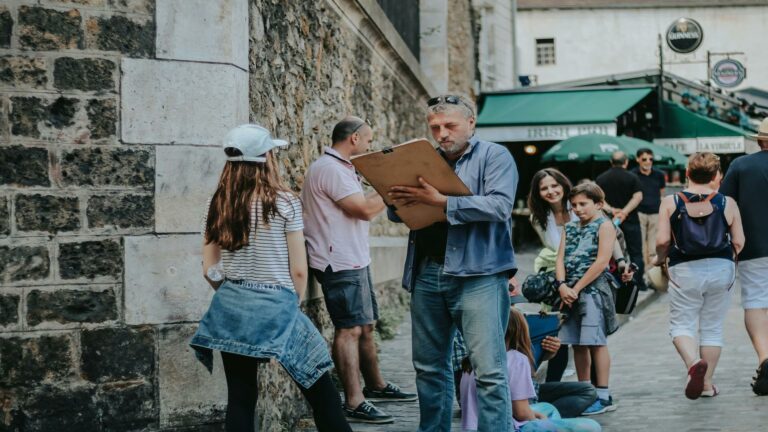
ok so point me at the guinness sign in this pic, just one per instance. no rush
(728, 73)
(684, 35)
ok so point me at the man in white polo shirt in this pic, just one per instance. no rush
(336, 215)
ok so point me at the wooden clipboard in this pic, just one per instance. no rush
(402, 165)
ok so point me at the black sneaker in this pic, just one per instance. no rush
(390, 393)
(760, 382)
(367, 413)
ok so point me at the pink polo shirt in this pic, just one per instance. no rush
(333, 237)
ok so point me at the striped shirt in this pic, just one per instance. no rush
(265, 258)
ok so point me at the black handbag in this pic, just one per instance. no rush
(540, 288)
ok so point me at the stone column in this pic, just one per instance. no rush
(434, 42)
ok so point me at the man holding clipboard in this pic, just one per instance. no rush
(457, 270)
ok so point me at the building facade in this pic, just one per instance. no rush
(111, 118)
(563, 40)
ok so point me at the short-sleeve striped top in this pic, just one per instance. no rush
(265, 258)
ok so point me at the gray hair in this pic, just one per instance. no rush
(618, 158)
(466, 106)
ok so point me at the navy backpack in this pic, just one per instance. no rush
(700, 230)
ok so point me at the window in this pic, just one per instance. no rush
(545, 52)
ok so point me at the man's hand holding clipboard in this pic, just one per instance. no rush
(413, 178)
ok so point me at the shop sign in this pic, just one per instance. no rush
(686, 146)
(543, 132)
(728, 73)
(684, 35)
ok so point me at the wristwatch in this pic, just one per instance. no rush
(558, 282)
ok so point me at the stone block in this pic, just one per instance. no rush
(163, 279)
(28, 113)
(120, 211)
(24, 263)
(43, 29)
(61, 409)
(24, 166)
(186, 178)
(118, 354)
(119, 33)
(71, 306)
(188, 393)
(90, 259)
(201, 30)
(157, 96)
(87, 74)
(127, 406)
(20, 71)
(6, 27)
(5, 218)
(29, 361)
(102, 117)
(9, 309)
(47, 213)
(107, 167)
(146, 7)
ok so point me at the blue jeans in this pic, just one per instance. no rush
(479, 307)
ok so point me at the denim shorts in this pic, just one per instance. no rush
(349, 296)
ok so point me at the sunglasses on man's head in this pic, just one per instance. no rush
(454, 100)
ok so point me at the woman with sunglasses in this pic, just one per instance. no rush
(254, 257)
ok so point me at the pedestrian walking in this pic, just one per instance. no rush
(550, 211)
(747, 182)
(584, 253)
(254, 257)
(652, 184)
(699, 230)
(336, 213)
(541, 416)
(458, 270)
(623, 193)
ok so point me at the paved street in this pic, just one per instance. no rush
(647, 380)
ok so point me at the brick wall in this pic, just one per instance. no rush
(111, 115)
(69, 191)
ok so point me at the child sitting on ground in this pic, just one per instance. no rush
(539, 417)
(587, 299)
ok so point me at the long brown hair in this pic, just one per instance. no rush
(540, 208)
(516, 338)
(229, 216)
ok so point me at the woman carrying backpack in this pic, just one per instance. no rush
(700, 232)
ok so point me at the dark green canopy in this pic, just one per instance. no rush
(596, 147)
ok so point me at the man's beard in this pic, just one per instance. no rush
(454, 148)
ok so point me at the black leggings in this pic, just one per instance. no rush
(242, 393)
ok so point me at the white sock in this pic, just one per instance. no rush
(603, 393)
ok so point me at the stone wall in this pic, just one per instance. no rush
(111, 115)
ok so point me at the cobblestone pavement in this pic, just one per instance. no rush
(647, 380)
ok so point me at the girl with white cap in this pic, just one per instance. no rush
(254, 257)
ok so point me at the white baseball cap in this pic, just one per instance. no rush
(253, 141)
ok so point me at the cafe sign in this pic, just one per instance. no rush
(728, 73)
(684, 35)
(543, 132)
(686, 146)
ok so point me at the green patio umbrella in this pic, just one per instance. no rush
(598, 148)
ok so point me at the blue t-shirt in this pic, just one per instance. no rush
(747, 182)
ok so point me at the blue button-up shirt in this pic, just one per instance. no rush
(480, 225)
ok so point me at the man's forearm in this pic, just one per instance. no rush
(632, 204)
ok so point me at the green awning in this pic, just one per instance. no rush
(679, 122)
(581, 106)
